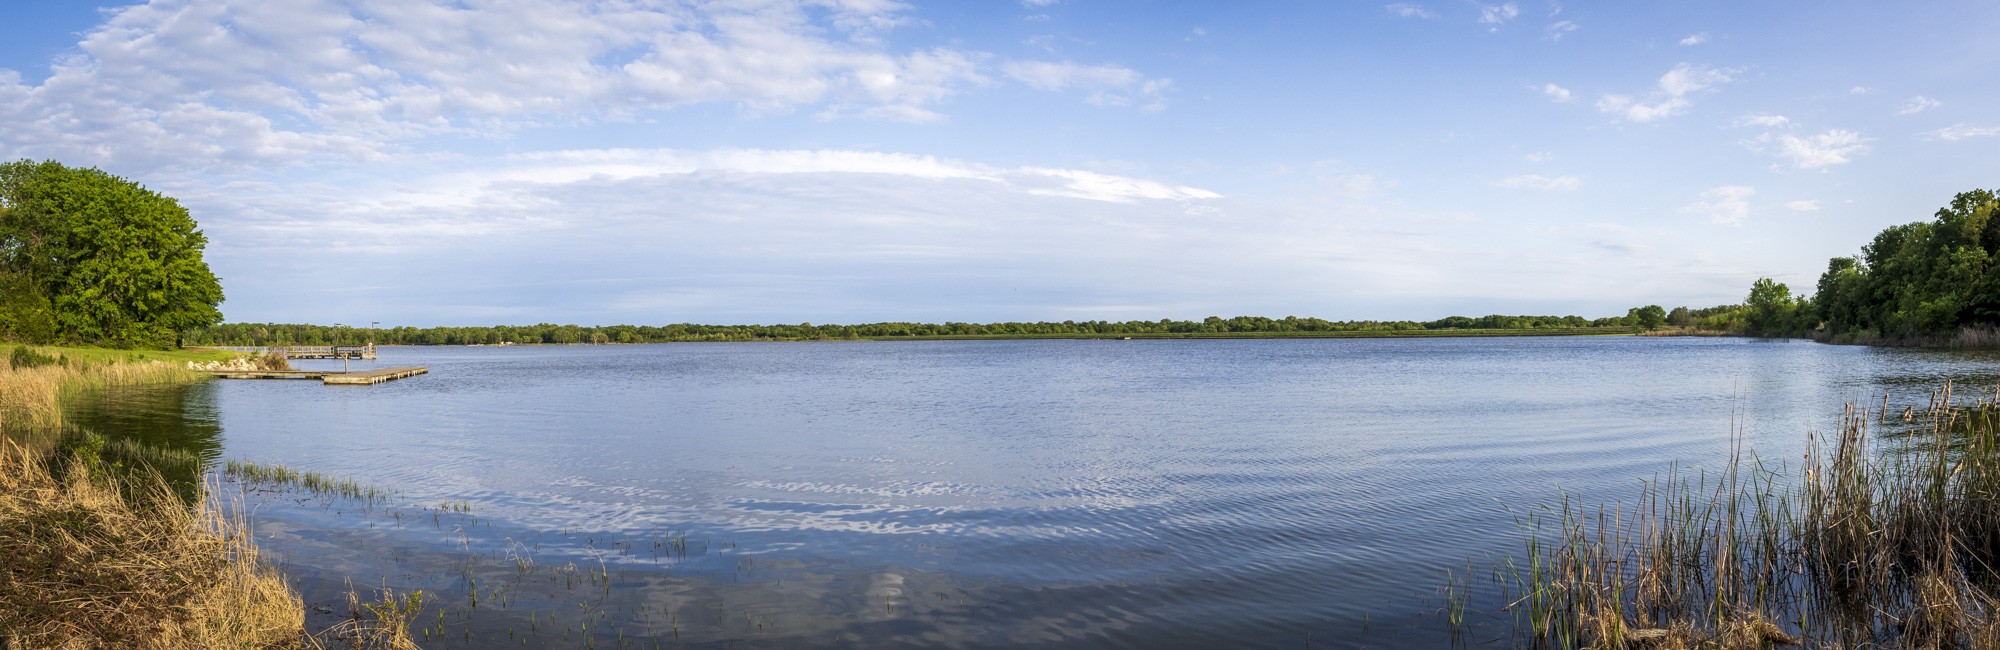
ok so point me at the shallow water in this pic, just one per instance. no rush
(1147, 493)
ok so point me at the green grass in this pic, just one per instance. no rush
(99, 356)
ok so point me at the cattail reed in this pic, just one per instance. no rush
(1889, 548)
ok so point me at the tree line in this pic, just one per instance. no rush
(548, 333)
(1931, 281)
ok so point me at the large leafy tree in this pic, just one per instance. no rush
(87, 256)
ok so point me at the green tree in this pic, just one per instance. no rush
(1772, 309)
(1841, 295)
(1650, 316)
(109, 260)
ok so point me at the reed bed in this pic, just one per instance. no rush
(1898, 548)
(86, 564)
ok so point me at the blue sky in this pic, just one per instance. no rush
(477, 162)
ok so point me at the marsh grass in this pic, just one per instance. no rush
(84, 563)
(1859, 548)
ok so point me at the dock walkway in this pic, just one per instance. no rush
(330, 377)
(303, 351)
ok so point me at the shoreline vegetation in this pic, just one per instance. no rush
(97, 549)
(276, 334)
(100, 548)
(1891, 548)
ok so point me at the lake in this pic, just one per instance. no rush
(1099, 493)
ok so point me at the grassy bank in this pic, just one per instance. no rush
(1855, 548)
(96, 549)
(35, 380)
(1967, 338)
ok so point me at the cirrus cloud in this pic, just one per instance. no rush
(1108, 85)
(1672, 94)
(1540, 182)
(1725, 204)
(1958, 132)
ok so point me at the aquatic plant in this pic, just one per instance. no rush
(383, 624)
(1897, 549)
(310, 481)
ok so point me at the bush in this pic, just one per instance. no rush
(27, 358)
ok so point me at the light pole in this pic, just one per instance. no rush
(336, 347)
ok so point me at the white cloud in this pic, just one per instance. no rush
(1557, 30)
(1557, 93)
(1539, 156)
(221, 85)
(1108, 85)
(1917, 104)
(1860, 90)
(1038, 3)
(1670, 96)
(1103, 187)
(1726, 204)
(1765, 120)
(1958, 132)
(1408, 10)
(1540, 182)
(1498, 14)
(1695, 39)
(1806, 205)
(1834, 147)
(1685, 79)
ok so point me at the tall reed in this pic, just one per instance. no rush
(1894, 548)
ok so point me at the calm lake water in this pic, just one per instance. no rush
(1148, 493)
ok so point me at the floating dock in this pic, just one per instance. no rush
(330, 377)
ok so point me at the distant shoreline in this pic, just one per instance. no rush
(1357, 334)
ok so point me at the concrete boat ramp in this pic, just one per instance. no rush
(329, 377)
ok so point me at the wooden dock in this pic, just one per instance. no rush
(329, 377)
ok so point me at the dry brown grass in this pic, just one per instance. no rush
(97, 551)
(84, 566)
